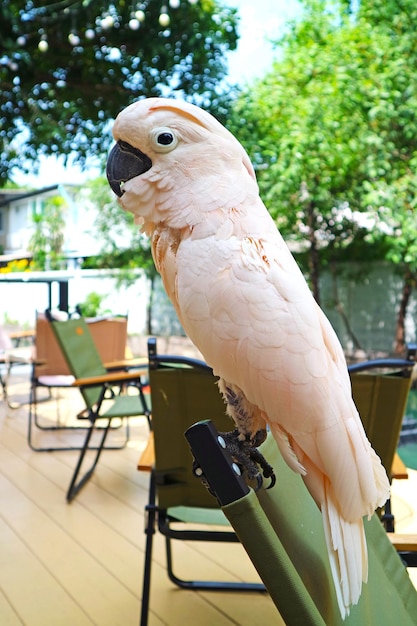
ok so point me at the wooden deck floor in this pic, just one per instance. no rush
(81, 564)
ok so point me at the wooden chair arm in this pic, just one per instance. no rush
(398, 469)
(110, 377)
(147, 458)
(403, 542)
(22, 334)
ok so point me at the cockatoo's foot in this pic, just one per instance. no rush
(244, 451)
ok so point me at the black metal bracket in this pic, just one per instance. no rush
(217, 466)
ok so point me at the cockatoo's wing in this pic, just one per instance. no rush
(243, 301)
(247, 307)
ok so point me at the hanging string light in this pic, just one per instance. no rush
(105, 21)
(43, 43)
(164, 18)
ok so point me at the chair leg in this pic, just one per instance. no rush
(33, 422)
(207, 585)
(4, 381)
(149, 531)
(75, 486)
(3, 386)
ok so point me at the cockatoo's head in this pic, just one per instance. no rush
(174, 162)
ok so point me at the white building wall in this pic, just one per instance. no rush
(19, 301)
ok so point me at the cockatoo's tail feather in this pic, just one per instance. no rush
(243, 301)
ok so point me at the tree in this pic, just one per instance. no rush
(48, 237)
(331, 130)
(68, 66)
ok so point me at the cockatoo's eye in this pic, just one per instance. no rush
(164, 139)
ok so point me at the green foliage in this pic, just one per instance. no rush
(48, 237)
(92, 305)
(332, 129)
(67, 67)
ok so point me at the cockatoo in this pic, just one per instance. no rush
(245, 304)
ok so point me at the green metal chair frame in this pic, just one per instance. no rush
(380, 390)
(181, 390)
(103, 392)
(50, 371)
(282, 531)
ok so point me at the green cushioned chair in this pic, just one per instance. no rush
(104, 392)
(282, 531)
(182, 390)
(380, 390)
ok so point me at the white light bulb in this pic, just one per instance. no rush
(73, 39)
(174, 4)
(90, 33)
(134, 24)
(21, 41)
(140, 15)
(43, 45)
(107, 22)
(164, 19)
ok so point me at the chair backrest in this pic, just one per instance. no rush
(282, 531)
(381, 398)
(80, 352)
(109, 335)
(183, 390)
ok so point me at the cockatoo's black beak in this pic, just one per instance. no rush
(125, 162)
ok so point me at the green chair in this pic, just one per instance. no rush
(50, 372)
(282, 531)
(182, 390)
(380, 390)
(105, 393)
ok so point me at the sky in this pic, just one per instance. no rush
(260, 21)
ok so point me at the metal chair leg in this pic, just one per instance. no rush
(150, 531)
(75, 487)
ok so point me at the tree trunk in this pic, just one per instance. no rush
(339, 308)
(313, 259)
(409, 281)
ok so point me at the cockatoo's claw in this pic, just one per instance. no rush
(259, 482)
(248, 457)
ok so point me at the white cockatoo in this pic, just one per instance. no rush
(243, 301)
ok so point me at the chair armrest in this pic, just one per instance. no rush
(22, 334)
(403, 542)
(398, 468)
(110, 377)
(147, 458)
